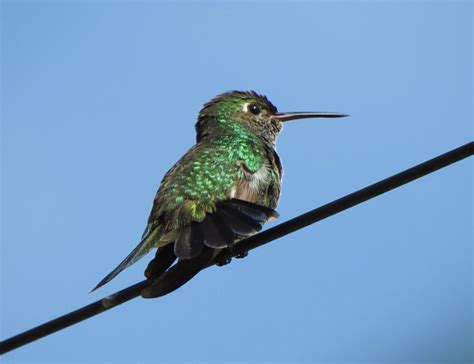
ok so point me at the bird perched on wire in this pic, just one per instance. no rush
(222, 190)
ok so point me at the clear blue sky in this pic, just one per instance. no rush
(99, 99)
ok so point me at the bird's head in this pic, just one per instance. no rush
(247, 110)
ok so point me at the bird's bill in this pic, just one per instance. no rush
(286, 116)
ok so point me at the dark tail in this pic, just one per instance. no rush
(178, 274)
(197, 244)
(232, 219)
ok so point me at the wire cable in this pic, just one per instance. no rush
(248, 244)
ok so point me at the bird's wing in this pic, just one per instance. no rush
(200, 197)
(195, 204)
(145, 245)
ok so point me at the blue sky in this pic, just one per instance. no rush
(99, 99)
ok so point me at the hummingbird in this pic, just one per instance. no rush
(222, 190)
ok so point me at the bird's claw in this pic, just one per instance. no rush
(241, 255)
(223, 262)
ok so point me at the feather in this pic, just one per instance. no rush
(163, 259)
(140, 250)
(240, 224)
(189, 241)
(178, 274)
(216, 233)
(254, 211)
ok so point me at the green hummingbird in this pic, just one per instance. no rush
(222, 190)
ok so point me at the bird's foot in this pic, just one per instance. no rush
(241, 255)
(223, 262)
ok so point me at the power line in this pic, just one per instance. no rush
(250, 243)
(352, 199)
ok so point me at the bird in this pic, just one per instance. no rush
(224, 189)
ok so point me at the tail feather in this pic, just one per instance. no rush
(217, 233)
(178, 274)
(163, 259)
(232, 219)
(254, 211)
(239, 223)
(190, 241)
(218, 230)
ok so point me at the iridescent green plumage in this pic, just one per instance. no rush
(212, 171)
(224, 188)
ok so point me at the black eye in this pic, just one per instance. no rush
(254, 109)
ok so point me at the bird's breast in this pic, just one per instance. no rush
(253, 187)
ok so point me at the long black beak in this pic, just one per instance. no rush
(286, 116)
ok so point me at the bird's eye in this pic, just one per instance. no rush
(254, 109)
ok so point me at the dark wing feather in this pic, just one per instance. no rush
(140, 250)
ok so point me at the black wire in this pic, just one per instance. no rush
(253, 242)
(353, 199)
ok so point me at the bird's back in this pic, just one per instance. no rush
(215, 170)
